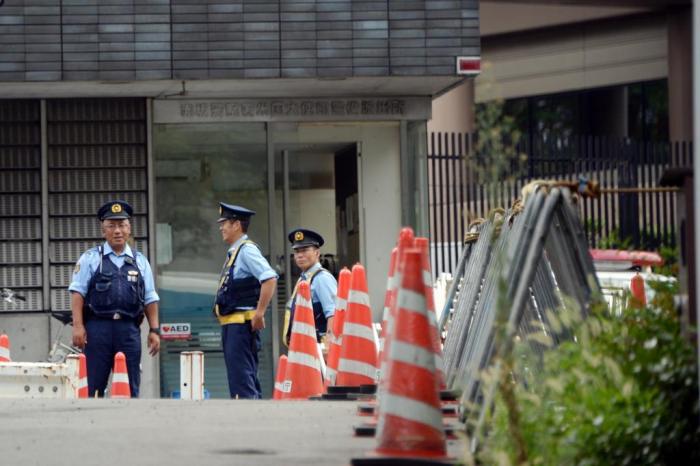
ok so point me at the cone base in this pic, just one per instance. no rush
(366, 410)
(368, 389)
(450, 395)
(344, 389)
(369, 429)
(400, 460)
(340, 396)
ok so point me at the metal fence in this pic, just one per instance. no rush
(465, 185)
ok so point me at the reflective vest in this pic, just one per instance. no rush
(234, 294)
(116, 290)
(319, 317)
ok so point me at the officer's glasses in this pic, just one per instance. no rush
(116, 226)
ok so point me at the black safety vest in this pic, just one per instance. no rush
(116, 290)
(234, 294)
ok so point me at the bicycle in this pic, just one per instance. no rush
(59, 350)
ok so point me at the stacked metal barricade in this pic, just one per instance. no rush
(526, 261)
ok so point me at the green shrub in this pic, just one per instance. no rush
(624, 392)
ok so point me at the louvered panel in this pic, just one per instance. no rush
(20, 205)
(33, 302)
(15, 277)
(107, 132)
(61, 275)
(60, 299)
(26, 157)
(19, 110)
(68, 252)
(78, 110)
(20, 228)
(97, 156)
(20, 134)
(88, 227)
(20, 181)
(97, 180)
(89, 203)
(20, 252)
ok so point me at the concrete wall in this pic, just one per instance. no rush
(56, 40)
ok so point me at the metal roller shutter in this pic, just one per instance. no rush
(96, 152)
(20, 203)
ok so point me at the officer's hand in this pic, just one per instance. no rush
(153, 344)
(79, 336)
(258, 322)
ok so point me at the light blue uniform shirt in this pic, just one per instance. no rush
(323, 289)
(90, 262)
(250, 263)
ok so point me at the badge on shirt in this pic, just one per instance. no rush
(133, 275)
(77, 268)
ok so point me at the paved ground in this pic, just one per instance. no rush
(175, 432)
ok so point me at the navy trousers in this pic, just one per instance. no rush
(241, 346)
(106, 337)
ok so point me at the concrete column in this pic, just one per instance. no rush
(680, 73)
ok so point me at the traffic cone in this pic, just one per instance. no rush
(120, 378)
(639, 297)
(390, 287)
(302, 377)
(341, 305)
(82, 377)
(279, 380)
(423, 245)
(358, 355)
(410, 421)
(405, 241)
(5, 348)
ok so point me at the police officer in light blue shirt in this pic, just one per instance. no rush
(246, 287)
(111, 290)
(307, 255)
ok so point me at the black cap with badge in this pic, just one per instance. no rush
(115, 210)
(301, 238)
(233, 212)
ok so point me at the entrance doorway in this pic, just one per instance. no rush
(317, 188)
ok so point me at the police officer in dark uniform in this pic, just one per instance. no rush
(246, 287)
(111, 290)
(307, 255)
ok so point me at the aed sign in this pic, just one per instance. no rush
(179, 331)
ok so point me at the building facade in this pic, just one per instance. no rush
(310, 112)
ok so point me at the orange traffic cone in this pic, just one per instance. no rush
(120, 378)
(422, 244)
(341, 305)
(406, 240)
(302, 378)
(639, 297)
(390, 287)
(410, 421)
(279, 380)
(5, 348)
(358, 354)
(82, 377)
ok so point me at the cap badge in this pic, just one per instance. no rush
(298, 236)
(221, 210)
(116, 208)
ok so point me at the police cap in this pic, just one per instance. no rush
(301, 237)
(115, 210)
(233, 212)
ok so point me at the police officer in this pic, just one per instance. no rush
(307, 255)
(246, 287)
(111, 290)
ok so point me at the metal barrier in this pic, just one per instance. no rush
(524, 264)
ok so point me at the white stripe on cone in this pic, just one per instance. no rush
(4, 353)
(358, 297)
(413, 410)
(359, 331)
(358, 368)
(341, 304)
(412, 354)
(119, 377)
(301, 301)
(409, 300)
(303, 359)
(304, 329)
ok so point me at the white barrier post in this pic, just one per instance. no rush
(191, 375)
